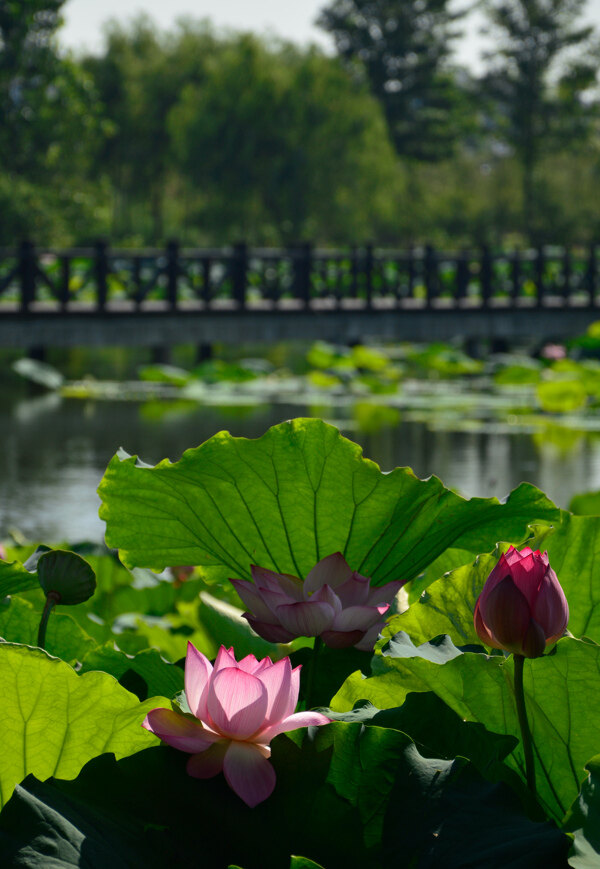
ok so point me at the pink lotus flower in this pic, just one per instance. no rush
(239, 707)
(334, 602)
(522, 607)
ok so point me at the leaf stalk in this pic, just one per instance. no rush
(52, 598)
(524, 724)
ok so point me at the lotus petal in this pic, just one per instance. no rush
(307, 619)
(225, 658)
(209, 763)
(252, 599)
(278, 682)
(332, 571)
(359, 618)
(249, 664)
(279, 582)
(506, 614)
(354, 591)
(179, 731)
(482, 631)
(248, 772)
(292, 722)
(237, 703)
(273, 633)
(385, 593)
(550, 608)
(198, 671)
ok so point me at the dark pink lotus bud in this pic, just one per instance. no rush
(522, 607)
(334, 602)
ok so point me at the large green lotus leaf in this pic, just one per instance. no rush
(446, 606)
(195, 823)
(563, 704)
(431, 812)
(15, 577)
(439, 732)
(160, 676)
(585, 504)
(291, 497)
(583, 820)
(304, 863)
(54, 721)
(19, 623)
(449, 560)
(573, 547)
(42, 827)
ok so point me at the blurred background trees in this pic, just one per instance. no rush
(215, 137)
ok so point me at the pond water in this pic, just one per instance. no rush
(53, 452)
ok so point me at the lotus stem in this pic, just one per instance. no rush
(524, 724)
(312, 670)
(51, 599)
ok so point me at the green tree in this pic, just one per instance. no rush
(140, 77)
(280, 144)
(403, 49)
(48, 125)
(537, 86)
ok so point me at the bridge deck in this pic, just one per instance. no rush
(346, 320)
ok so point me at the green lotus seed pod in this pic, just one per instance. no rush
(66, 575)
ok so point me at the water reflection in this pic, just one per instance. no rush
(54, 452)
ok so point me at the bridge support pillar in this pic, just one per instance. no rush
(37, 352)
(160, 355)
(204, 352)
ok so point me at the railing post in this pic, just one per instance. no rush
(239, 273)
(172, 273)
(411, 272)
(27, 272)
(515, 276)
(485, 275)
(592, 276)
(354, 271)
(462, 275)
(101, 274)
(368, 269)
(430, 265)
(566, 275)
(65, 281)
(302, 272)
(539, 276)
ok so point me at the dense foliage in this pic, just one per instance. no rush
(217, 136)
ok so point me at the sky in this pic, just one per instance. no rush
(291, 19)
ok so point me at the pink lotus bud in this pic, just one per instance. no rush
(334, 602)
(239, 707)
(2, 553)
(522, 607)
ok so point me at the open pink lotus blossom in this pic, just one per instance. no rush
(522, 607)
(334, 602)
(239, 707)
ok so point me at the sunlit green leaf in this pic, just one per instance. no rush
(54, 721)
(19, 623)
(479, 688)
(583, 820)
(161, 677)
(293, 496)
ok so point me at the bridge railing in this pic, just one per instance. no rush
(100, 278)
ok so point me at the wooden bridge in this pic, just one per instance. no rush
(163, 297)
